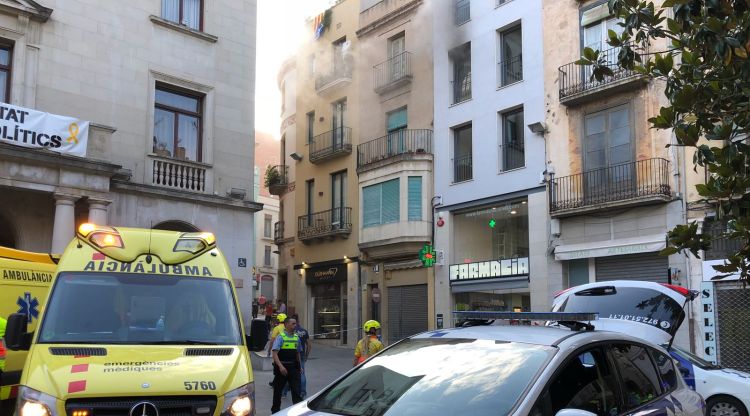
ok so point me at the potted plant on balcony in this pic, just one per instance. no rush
(273, 179)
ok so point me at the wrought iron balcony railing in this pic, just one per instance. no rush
(340, 73)
(330, 144)
(462, 169)
(278, 231)
(576, 80)
(337, 221)
(277, 179)
(614, 185)
(461, 89)
(394, 72)
(510, 71)
(401, 143)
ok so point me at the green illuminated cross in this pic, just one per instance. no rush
(427, 255)
(492, 223)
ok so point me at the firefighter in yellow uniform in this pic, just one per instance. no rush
(368, 345)
(276, 330)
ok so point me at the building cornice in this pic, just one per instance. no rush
(50, 158)
(388, 18)
(192, 197)
(27, 7)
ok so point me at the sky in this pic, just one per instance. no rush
(281, 30)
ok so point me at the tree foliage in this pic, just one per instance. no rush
(707, 73)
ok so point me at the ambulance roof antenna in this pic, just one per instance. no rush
(150, 231)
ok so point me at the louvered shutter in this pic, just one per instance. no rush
(415, 198)
(390, 208)
(371, 205)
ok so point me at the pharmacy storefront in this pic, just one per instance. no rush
(489, 266)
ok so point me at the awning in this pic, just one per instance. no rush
(632, 245)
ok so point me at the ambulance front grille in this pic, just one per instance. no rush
(208, 351)
(167, 406)
(83, 351)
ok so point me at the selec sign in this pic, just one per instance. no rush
(489, 269)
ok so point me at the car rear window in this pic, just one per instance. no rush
(634, 304)
(438, 376)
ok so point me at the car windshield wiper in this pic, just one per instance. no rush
(180, 342)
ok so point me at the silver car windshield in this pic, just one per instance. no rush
(438, 376)
(117, 308)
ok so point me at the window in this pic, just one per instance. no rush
(177, 124)
(492, 232)
(5, 65)
(586, 382)
(267, 226)
(380, 203)
(396, 126)
(513, 142)
(461, 57)
(415, 198)
(309, 195)
(338, 123)
(311, 65)
(640, 382)
(339, 64)
(666, 370)
(184, 12)
(608, 144)
(462, 166)
(510, 65)
(398, 63)
(595, 26)
(267, 255)
(310, 126)
(462, 11)
(338, 199)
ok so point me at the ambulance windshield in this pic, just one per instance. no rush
(99, 308)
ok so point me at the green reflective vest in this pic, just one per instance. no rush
(289, 346)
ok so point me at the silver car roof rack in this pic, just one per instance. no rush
(576, 321)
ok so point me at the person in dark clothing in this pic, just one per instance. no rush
(255, 308)
(287, 364)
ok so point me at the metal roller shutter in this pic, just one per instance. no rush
(407, 311)
(733, 323)
(643, 266)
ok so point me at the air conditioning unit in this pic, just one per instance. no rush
(440, 260)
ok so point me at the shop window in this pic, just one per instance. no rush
(415, 198)
(492, 232)
(177, 124)
(380, 203)
(489, 301)
(327, 304)
(183, 12)
(5, 67)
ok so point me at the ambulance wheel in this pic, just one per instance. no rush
(725, 406)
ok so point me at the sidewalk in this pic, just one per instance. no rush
(325, 365)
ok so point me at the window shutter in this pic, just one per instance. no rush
(415, 198)
(390, 201)
(594, 14)
(397, 120)
(371, 205)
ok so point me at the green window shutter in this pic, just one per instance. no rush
(397, 120)
(415, 198)
(390, 201)
(371, 205)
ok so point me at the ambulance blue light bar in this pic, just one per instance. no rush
(529, 316)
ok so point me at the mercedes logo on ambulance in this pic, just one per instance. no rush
(144, 409)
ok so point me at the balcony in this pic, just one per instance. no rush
(278, 232)
(325, 224)
(340, 76)
(331, 144)
(179, 174)
(277, 179)
(382, 13)
(636, 183)
(577, 86)
(392, 74)
(394, 147)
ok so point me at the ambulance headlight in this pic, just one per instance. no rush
(240, 402)
(34, 403)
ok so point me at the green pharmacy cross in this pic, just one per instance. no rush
(492, 223)
(428, 256)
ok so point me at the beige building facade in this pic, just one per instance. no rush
(395, 165)
(168, 90)
(614, 187)
(320, 273)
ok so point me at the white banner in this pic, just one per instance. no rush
(31, 128)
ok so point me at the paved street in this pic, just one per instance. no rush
(324, 366)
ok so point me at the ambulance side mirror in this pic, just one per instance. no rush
(16, 337)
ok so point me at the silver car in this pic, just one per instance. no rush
(511, 368)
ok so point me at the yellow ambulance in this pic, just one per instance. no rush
(138, 323)
(25, 278)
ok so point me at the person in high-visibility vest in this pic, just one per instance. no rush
(287, 364)
(276, 330)
(3, 324)
(370, 344)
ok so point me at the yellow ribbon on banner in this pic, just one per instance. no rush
(73, 130)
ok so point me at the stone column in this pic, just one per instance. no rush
(64, 228)
(98, 211)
